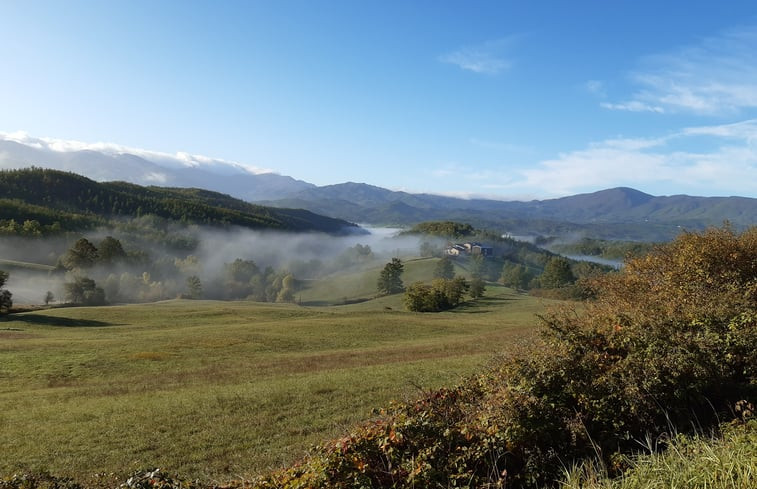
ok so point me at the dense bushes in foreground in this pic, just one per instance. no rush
(668, 340)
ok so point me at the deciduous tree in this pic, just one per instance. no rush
(390, 279)
(557, 273)
(82, 254)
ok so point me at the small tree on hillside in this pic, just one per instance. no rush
(476, 288)
(49, 297)
(444, 269)
(390, 279)
(194, 287)
(516, 276)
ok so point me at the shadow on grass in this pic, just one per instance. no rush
(315, 303)
(344, 302)
(43, 320)
(479, 306)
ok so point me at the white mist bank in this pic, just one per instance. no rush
(315, 252)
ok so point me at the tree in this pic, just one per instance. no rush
(82, 254)
(32, 228)
(84, 290)
(390, 279)
(420, 297)
(516, 276)
(6, 301)
(286, 294)
(49, 297)
(110, 250)
(557, 273)
(452, 290)
(444, 268)
(477, 266)
(241, 270)
(194, 287)
(441, 295)
(477, 288)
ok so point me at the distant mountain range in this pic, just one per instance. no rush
(619, 213)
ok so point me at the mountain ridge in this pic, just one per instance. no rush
(55, 196)
(624, 212)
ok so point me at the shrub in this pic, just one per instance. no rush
(441, 295)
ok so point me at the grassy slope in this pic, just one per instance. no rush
(361, 284)
(216, 390)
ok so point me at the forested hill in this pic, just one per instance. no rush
(73, 201)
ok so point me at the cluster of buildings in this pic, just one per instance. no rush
(471, 248)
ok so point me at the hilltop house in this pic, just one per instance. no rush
(470, 248)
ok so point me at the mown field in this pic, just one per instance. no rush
(222, 390)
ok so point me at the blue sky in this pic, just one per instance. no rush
(498, 99)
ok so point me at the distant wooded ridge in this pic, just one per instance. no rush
(40, 201)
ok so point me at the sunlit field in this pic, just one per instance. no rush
(220, 390)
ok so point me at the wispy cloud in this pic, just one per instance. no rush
(731, 167)
(633, 106)
(487, 58)
(596, 87)
(715, 77)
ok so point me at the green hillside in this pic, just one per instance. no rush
(66, 201)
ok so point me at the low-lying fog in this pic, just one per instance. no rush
(160, 270)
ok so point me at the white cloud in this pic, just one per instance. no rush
(731, 167)
(155, 177)
(633, 106)
(485, 58)
(178, 160)
(714, 77)
(746, 130)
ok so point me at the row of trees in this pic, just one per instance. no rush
(83, 254)
(242, 279)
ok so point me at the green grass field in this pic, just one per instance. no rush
(222, 390)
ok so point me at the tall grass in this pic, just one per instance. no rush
(725, 462)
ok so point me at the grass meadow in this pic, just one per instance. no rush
(225, 390)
